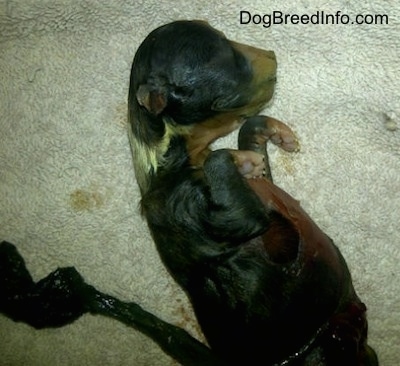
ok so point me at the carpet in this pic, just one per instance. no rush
(68, 195)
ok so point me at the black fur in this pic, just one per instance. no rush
(267, 285)
(185, 73)
(63, 296)
(182, 60)
(207, 223)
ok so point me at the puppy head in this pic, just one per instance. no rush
(184, 73)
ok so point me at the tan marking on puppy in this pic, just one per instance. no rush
(146, 159)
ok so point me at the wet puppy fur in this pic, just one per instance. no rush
(189, 86)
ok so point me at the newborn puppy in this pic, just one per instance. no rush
(267, 285)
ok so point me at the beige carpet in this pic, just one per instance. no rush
(68, 195)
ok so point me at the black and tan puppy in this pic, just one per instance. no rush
(267, 286)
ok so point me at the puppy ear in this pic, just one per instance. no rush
(153, 101)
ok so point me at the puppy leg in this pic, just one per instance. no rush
(250, 163)
(203, 134)
(255, 133)
(235, 211)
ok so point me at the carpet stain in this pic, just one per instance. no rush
(86, 200)
(188, 321)
(285, 161)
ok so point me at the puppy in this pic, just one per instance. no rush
(267, 285)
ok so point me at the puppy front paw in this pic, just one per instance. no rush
(258, 130)
(282, 136)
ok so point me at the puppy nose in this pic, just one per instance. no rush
(263, 62)
(263, 68)
(270, 55)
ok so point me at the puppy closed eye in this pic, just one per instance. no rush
(181, 93)
(229, 102)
